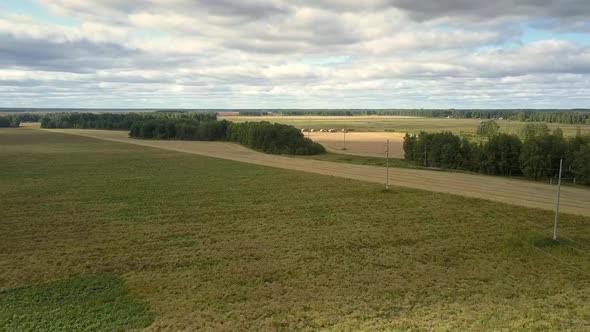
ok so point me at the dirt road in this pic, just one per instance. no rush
(516, 192)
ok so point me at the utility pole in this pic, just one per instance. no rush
(387, 167)
(344, 131)
(557, 201)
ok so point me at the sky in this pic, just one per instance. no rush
(295, 54)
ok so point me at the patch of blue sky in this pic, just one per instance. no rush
(534, 31)
(35, 10)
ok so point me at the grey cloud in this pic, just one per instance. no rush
(228, 53)
(539, 58)
(555, 25)
(263, 46)
(489, 10)
(72, 56)
(118, 10)
(460, 10)
(247, 8)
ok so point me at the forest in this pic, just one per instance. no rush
(114, 121)
(8, 122)
(180, 129)
(273, 138)
(535, 154)
(14, 120)
(192, 126)
(262, 136)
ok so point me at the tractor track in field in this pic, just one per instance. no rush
(511, 191)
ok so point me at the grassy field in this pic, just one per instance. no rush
(178, 241)
(399, 124)
(504, 190)
(98, 302)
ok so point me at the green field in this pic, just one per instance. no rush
(182, 242)
(401, 125)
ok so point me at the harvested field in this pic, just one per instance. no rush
(243, 118)
(400, 124)
(361, 144)
(575, 200)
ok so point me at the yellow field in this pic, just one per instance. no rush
(361, 144)
(369, 134)
(517, 192)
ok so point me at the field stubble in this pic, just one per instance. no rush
(369, 134)
(401, 125)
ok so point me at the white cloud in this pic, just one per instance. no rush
(275, 53)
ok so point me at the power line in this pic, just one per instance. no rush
(565, 244)
(488, 164)
(582, 174)
(556, 258)
(574, 248)
(577, 242)
(544, 229)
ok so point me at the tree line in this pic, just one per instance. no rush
(180, 129)
(114, 121)
(14, 120)
(196, 126)
(273, 138)
(262, 136)
(253, 113)
(535, 154)
(550, 116)
(9, 122)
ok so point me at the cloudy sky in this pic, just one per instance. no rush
(295, 54)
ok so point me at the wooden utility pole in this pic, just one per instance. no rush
(387, 167)
(557, 200)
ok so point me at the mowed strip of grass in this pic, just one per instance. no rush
(402, 163)
(219, 245)
(364, 160)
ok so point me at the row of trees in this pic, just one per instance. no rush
(9, 122)
(253, 113)
(198, 126)
(574, 116)
(14, 120)
(116, 121)
(262, 136)
(536, 157)
(550, 116)
(180, 129)
(273, 138)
